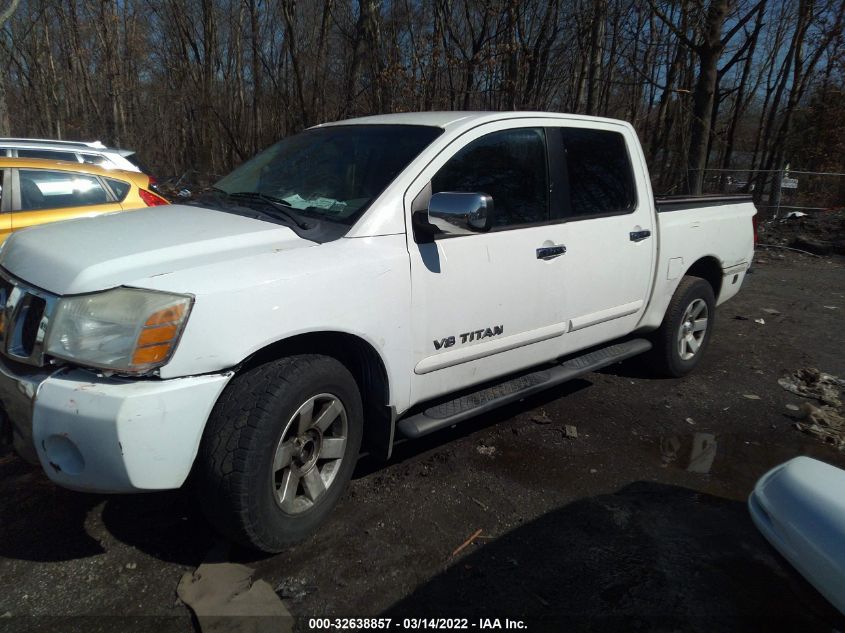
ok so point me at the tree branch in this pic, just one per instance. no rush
(672, 27)
(6, 13)
(742, 22)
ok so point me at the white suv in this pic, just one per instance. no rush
(94, 153)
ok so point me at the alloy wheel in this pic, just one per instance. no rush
(693, 329)
(309, 453)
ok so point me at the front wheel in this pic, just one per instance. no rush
(680, 342)
(279, 449)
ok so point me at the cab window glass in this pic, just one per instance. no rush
(599, 172)
(510, 166)
(45, 189)
(47, 154)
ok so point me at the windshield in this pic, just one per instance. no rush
(331, 173)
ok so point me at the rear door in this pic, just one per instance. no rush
(46, 195)
(610, 233)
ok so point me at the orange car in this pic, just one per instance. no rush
(35, 191)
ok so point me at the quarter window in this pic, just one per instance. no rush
(510, 166)
(93, 159)
(45, 189)
(120, 188)
(599, 172)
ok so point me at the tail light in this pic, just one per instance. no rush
(754, 223)
(150, 199)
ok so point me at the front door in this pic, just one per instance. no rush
(485, 304)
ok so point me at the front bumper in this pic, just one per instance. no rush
(17, 397)
(107, 434)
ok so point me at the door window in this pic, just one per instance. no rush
(601, 181)
(45, 189)
(511, 167)
(47, 154)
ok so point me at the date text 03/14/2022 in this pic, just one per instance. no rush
(415, 624)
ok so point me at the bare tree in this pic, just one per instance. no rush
(5, 14)
(201, 85)
(708, 47)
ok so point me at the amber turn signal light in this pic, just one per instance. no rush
(158, 335)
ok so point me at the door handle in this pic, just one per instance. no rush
(639, 236)
(550, 252)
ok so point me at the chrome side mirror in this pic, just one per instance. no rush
(459, 213)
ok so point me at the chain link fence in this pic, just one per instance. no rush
(797, 209)
(778, 193)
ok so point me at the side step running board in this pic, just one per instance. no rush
(449, 413)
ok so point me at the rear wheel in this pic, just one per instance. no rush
(279, 450)
(680, 342)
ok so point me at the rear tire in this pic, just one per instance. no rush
(683, 337)
(279, 449)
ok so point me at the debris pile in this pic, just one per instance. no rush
(225, 598)
(188, 186)
(812, 383)
(819, 233)
(825, 421)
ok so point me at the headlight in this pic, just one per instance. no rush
(124, 330)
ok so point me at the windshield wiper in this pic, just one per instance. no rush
(278, 204)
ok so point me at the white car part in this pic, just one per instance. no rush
(799, 507)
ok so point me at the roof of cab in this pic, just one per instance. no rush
(452, 119)
(83, 168)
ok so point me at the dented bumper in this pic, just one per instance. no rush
(106, 434)
(17, 399)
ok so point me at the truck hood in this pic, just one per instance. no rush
(91, 254)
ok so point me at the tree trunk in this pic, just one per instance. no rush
(704, 93)
(5, 125)
(596, 55)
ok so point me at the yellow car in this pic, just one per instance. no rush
(35, 191)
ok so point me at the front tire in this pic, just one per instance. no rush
(683, 337)
(279, 449)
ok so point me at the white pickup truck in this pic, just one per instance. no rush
(362, 281)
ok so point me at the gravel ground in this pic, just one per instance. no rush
(607, 531)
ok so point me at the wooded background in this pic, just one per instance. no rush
(204, 84)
